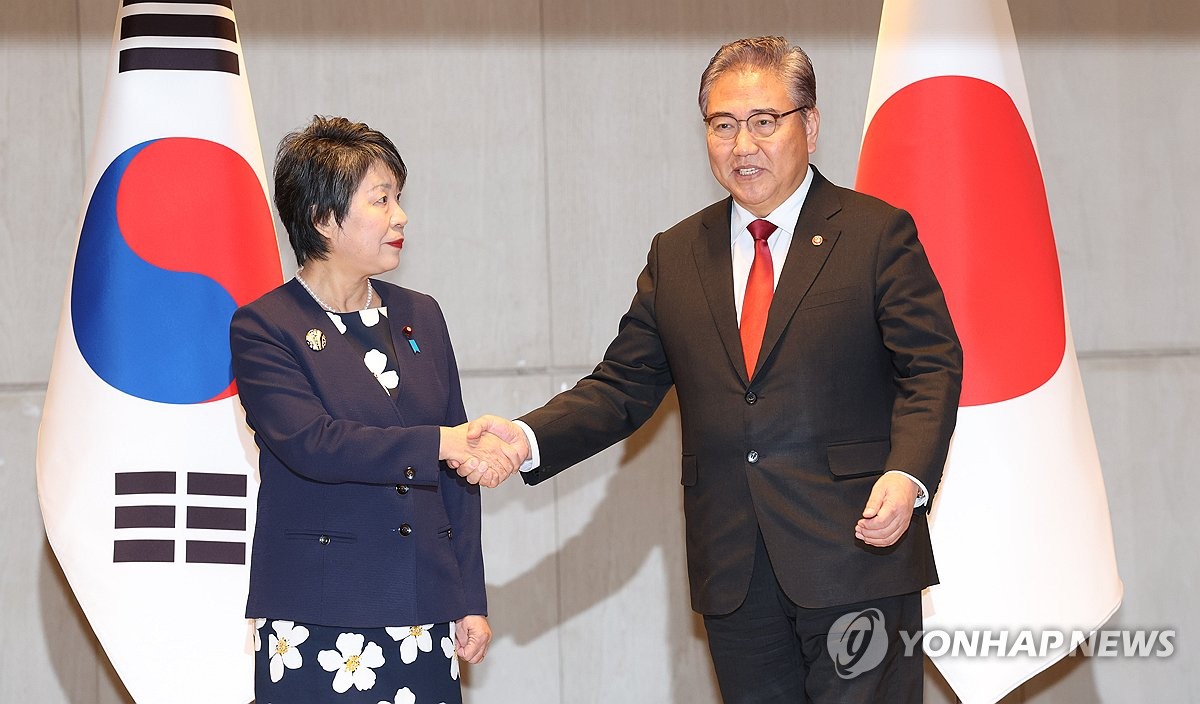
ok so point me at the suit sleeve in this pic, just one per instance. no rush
(288, 417)
(613, 401)
(916, 328)
(461, 500)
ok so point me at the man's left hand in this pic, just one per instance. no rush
(888, 511)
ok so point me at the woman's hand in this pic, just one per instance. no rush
(486, 456)
(472, 634)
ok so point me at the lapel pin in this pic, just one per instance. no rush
(408, 334)
(315, 339)
(817, 240)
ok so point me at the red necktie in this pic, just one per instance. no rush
(759, 289)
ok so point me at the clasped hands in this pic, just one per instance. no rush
(485, 451)
(490, 448)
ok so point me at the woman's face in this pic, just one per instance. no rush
(372, 233)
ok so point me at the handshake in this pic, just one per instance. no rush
(485, 451)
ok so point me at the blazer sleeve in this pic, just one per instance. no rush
(916, 328)
(289, 418)
(613, 401)
(462, 502)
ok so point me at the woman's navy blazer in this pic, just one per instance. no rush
(358, 523)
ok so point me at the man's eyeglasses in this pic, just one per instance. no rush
(760, 124)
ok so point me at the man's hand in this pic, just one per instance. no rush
(485, 459)
(473, 634)
(494, 429)
(889, 510)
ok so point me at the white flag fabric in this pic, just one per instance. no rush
(146, 472)
(1020, 525)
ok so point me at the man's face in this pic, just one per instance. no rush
(760, 172)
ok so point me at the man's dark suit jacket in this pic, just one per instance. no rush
(859, 373)
(344, 466)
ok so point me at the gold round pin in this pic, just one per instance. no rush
(817, 240)
(315, 339)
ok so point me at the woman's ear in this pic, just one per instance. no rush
(326, 226)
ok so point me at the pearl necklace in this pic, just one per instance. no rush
(323, 304)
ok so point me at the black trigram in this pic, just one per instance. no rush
(166, 29)
(149, 515)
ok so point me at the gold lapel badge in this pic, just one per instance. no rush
(817, 240)
(315, 340)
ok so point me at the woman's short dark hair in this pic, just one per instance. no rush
(318, 169)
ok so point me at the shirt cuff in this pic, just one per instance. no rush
(535, 455)
(922, 492)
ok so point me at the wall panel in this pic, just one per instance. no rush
(40, 177)
(461, 98)
(51, 653)
(521, 550)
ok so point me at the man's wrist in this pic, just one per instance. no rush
(922, 492)
(535, 456)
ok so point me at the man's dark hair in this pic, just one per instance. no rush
(773, 54)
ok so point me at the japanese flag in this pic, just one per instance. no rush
(1020, 525)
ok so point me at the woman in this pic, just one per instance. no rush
(366, 576)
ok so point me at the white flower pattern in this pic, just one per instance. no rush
(337, 321)
(412, 639)
(284, 649)
(352, 662)
(403, 696)
(448, 650)
(369, 317)
(376, 361)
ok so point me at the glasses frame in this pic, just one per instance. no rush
(777, 117)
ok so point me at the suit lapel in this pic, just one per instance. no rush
(400, 313)
(715, 266)
(342, 359)
(804, 260)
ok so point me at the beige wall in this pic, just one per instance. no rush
(522, 122)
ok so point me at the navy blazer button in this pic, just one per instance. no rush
(410, 473)
(751, 398)
(752, 456)
(405, 529)
(324, 540)
(402, 489)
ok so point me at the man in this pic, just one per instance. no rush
(818, 376)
